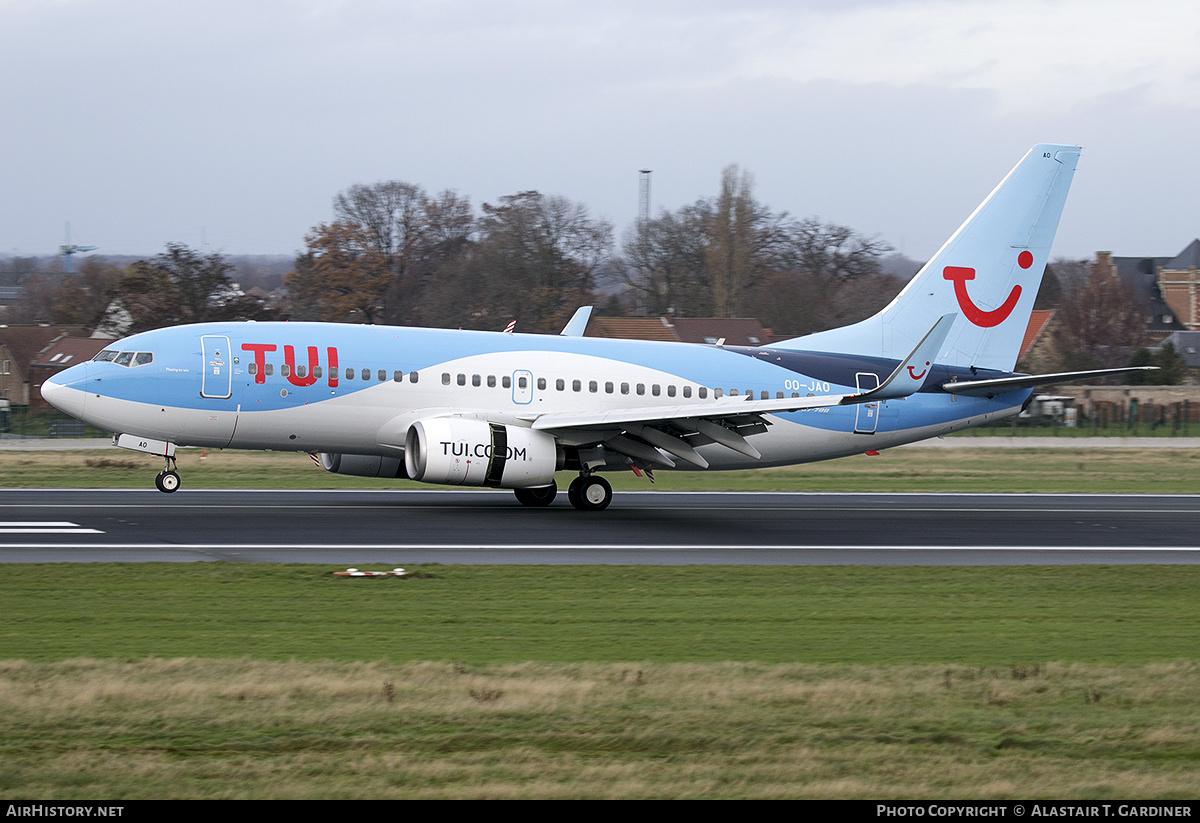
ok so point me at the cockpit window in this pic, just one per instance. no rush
(129, 359)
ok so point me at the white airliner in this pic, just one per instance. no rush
(474, 408)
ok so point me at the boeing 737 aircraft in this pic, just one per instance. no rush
(474, 408)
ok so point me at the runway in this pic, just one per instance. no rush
(392, 528)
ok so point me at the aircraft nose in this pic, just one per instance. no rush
(64, 391)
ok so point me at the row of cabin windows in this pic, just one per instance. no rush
(349, 374)
(593, 387)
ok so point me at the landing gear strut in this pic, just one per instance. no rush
(589, 493)
(168, 479)
(543, 496)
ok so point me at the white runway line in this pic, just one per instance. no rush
(534, 547)
(43, 527)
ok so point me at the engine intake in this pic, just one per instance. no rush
(462, 452)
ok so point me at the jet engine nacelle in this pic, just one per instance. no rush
(462, 452)
(363, 465)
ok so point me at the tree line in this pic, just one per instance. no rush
(395, 254)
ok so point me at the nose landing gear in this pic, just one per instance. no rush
(167, 480)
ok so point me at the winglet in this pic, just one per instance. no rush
(577, 323)
(913, 371)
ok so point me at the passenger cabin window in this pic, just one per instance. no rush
(349, 373)
(381, 375)
(412, 377)
(576, 385)
(445, 378)
(397, 376)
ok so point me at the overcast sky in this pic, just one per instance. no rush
(231, 125)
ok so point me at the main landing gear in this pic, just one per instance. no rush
(587, 492)
(168, 479)
(590, 493)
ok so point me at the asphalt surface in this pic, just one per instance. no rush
(389, 528)
(14, 443)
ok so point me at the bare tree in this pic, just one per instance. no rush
(1099, 325)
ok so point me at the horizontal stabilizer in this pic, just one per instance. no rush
(985, 388)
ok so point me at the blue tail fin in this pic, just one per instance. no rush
(988, 273)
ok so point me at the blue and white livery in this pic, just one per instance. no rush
(510, 410)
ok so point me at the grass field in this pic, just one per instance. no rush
(242, 680)
(215, 680)
(906, 469)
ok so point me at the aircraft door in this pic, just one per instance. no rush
(866, 415)
(217, 376)
(522, 387)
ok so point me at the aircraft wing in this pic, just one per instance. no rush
(678, 428)
(716, 409)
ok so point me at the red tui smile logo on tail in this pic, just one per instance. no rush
(980, 317)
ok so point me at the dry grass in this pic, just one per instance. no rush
(908, 469)
(241, 728)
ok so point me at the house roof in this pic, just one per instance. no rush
(1189, 258)
(736, 331)
(25, 342)
(632, 328)
(1038, 320)
(1187, 343)
(1140, 276)
(67, 351)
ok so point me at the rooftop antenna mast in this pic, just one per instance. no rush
(68, 250)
